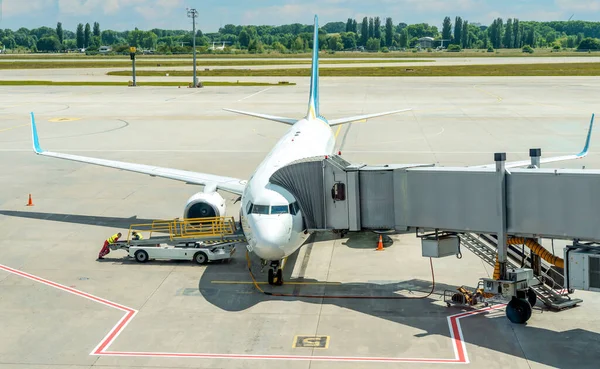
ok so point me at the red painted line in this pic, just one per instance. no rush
(458, 344)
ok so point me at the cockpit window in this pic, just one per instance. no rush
(294, 208)
(279, 209)
(260, 209)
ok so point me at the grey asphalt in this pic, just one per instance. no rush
(185, 308)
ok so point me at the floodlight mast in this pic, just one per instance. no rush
(193, 13)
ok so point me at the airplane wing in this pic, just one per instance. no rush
(522, 163)
(274, 118)
(228, 184)
(357, 118)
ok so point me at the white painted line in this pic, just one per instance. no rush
(460, 350)
(254, 94)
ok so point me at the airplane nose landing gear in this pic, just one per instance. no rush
(275, 274)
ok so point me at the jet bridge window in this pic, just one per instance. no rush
(279, 209)
(260, 209)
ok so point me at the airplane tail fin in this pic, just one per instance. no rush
(313, 100)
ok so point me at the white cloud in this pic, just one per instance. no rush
(11, 8)
(86, 7)
(578, 5)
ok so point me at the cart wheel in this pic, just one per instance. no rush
(141, 256)
(200, 258)
(518, 311)
(448, 304)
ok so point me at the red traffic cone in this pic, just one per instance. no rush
(380, 244)
(29, 203)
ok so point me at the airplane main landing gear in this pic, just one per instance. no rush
(275, 274)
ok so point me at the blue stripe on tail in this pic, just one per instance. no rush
(313, 102)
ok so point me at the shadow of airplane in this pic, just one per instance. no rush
(573, 348)
(113, 222)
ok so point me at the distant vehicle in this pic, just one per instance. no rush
(104, 49)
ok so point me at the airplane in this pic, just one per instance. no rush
(269, 215)
(219, 47)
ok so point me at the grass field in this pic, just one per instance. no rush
(566, 69)
(151, 83)
(324, 54)
(112, 63)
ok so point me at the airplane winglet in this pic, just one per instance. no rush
(36, 142)
(584, 152)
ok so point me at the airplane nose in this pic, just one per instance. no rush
(271, 237)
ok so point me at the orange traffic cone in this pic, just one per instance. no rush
(29, 203)
(380, 244)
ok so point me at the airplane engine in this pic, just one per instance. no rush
(205, 205)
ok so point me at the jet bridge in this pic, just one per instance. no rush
(334, 194)
(487, 209)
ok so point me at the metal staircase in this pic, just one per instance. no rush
(485, 247)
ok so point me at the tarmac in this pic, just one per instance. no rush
(60, 307)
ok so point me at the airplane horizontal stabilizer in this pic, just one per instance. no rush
(274, 118)
(357, 118)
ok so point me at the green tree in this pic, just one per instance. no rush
(389, 31)
(530, 39)
(371, 28)
(244, 38)
(87, 35)
(516, 33)
(403, 42)
(298, 44)
(349, 25)
(335, 43)
(508, 39)
(59, 32)
(80, 36)
(458, 31)
(96, 29)
(348, 40)
(446, 29)
(364, 32)
(48, 43)
(466, 39)
(354, 26)
(373, 44)
(589, 43)
(377, 28)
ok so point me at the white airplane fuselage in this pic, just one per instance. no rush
(273, 232)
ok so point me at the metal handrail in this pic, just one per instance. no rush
(188, 228)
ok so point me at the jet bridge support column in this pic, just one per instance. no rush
(500, 159)
(536, 261)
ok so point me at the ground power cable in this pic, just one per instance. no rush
(340, 296)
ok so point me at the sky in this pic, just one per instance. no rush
(171, 14)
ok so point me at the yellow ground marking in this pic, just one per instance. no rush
(338, 130)
(315, 342)
(9, 128)
(290, 283)
(63, 119)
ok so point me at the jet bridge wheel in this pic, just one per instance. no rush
(518, 310)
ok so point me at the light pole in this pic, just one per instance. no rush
(193, 13)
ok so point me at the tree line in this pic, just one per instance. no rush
(367, 34)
